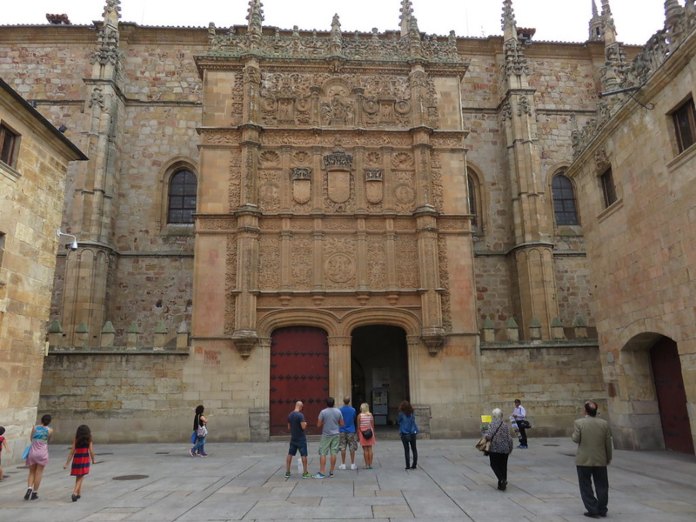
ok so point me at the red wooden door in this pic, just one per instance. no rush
(299, 372)
(671, 396)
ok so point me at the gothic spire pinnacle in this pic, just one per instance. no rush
(255, 18)
(609, 27)
(509, 25)
(112, 12)
(406, 16)
(673, 10)
(596, 24)
(336, 35)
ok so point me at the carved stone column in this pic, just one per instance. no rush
(244, 335)
(415, 348)
(340, 367)
(259, 413)
(428, 265)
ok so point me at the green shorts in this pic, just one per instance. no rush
(328, 444)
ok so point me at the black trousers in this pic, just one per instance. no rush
(598, 474)
(409, 440)
(523, 435)
(499, 465)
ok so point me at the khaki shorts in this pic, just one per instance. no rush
(328, 445)
(349, 440)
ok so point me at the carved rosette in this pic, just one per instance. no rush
(340, 264)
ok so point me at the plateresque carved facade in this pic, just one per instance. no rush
(375, 216)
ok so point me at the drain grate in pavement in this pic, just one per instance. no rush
(131, 477)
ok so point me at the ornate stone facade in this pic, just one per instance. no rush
(391, 188)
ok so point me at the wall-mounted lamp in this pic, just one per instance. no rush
(73, 244)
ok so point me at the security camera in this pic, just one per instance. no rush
(73, 246)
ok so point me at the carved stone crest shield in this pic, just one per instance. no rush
(338, 165)
(301, 184)
(373, 185)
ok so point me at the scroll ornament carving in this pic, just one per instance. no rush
(269, 261)
(269, 191)
(230, 284)
(375, 46)
(376, 262)
(235, 186)
(446, 305)
(302, 250)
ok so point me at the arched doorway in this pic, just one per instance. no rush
(299, 371)
(671, 396)
(379, 370)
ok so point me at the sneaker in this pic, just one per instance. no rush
(74, 497)
(330, 474)
(34, 495)
(342, 466)
(306, 475)
(319, 476)
(287, 474)
(27, 495)
(192, 453)
(203, 454)
(353, 466)
(522, 446)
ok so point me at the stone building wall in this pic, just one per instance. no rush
(641, 247)
(31, 193)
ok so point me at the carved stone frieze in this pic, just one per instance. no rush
(269, 262)
(407, 261)
(230, 284)
(339, 262)
(404, 191)
(220, 137)
(376, 263)
(445, 284)
(358, 46)
(235, 180)
(302, 250)
(269, 190)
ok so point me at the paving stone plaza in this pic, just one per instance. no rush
(244, 481)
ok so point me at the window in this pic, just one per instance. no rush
(182, 197)
(608, 187)
(563, 201)
(9, 145)
(474, 199)
(685, 124)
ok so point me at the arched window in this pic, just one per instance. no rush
(564, 201)
(474, 191)
(182, 197)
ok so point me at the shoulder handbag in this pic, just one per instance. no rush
(202, 431)
(25, 453)
(367, 434)
(484, 444)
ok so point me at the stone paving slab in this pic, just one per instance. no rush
(245, 482)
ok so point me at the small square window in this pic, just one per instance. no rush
(684, 118)
(9, 145)
(608, 187)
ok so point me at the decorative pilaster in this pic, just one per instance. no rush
(339, 367)
(87, 270)
(255, 18)
(533, 229)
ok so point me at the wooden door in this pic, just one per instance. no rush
(299, 371)
(671, 396)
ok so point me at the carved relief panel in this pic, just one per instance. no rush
(340, 264)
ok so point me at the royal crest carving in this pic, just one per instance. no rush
(374, 188)
(301, 184)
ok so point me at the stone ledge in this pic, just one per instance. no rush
(571, 343)
(115, 351)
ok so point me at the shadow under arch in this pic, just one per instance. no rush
(652, 395)
(408, 321)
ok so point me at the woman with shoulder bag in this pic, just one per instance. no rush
(408, 430)
(501, 446)
(366, 433)
(201, 429)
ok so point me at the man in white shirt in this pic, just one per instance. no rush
(520, 414)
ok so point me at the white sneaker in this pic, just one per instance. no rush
(342, 466)
(353, 466)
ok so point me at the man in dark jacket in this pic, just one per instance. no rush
(593, 437)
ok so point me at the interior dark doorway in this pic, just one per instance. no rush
(299, 372)
(671, 396)
(379, 370)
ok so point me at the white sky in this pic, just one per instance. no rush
(555, 20)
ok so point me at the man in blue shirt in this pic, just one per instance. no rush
(298, 439)
(347, 437)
